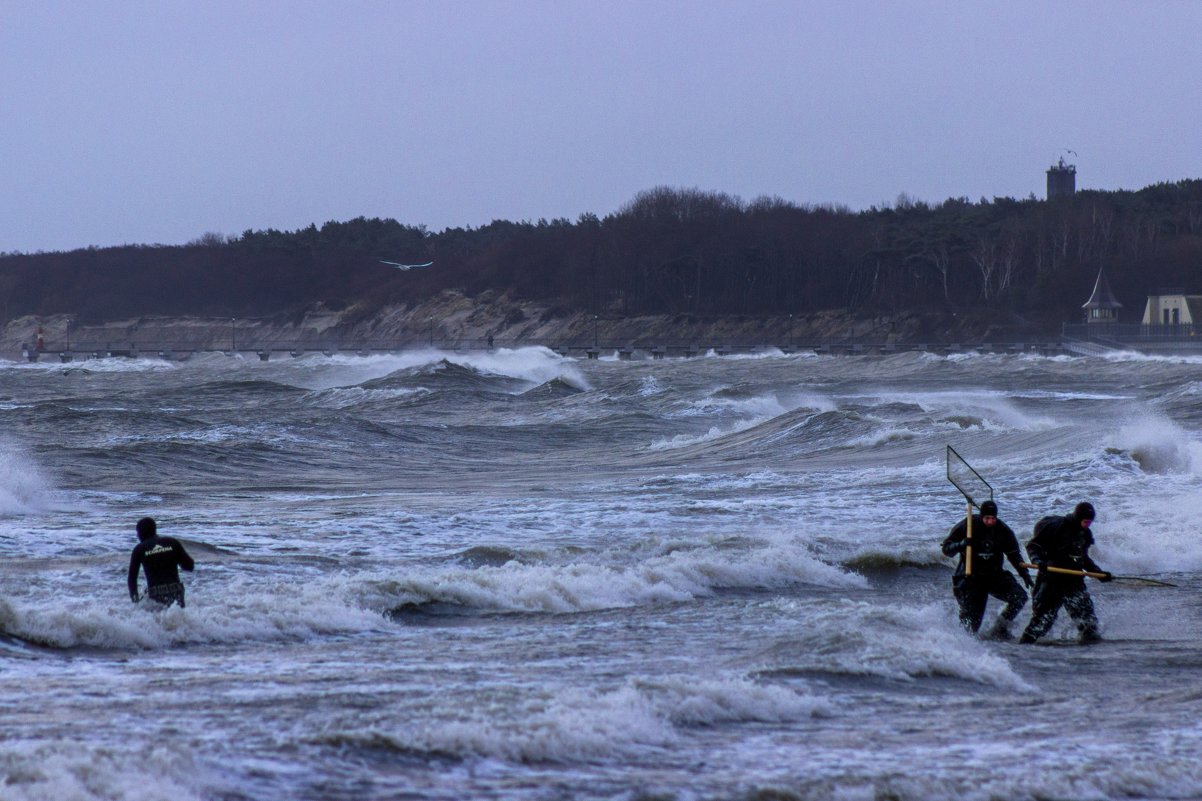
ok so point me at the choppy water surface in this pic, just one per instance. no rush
(517, 576)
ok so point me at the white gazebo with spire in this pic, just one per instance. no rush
(1102, 307)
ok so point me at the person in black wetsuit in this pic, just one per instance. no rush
(991, 540)
(1063, 542)
(160, 557)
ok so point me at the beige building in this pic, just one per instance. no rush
(1173, 308)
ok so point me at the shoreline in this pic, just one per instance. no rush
(454, 321)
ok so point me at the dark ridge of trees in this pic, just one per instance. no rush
(667, 251)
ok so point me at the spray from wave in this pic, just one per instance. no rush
(1157, 446)
(530, 365)
(23, 488)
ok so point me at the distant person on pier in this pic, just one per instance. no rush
(1063, 542)
(160, 557)
(991, 541)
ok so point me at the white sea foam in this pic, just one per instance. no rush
(747, 483)
(764, 353)
(98, 365)
(752, 411)
(678, 575)
(759, 407)
(275, 612)
(551, 688)
(537, 365)
(882, 436)
(68, 770)
(348, 603)
(714, 433)
(649, 385)
(1149, 529)
(1067, 763)
(1145, 490)
(987, 409)
(1134, 356)
(894, 642)
(579, 724)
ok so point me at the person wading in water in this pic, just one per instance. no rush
(991, 540)
(160, 557)
(1063, 542)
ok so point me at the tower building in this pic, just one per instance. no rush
(1062, 179)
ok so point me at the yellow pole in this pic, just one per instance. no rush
(1065, 571)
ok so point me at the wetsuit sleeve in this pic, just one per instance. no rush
(135, 564)
(1013, 552)
(1036, 552)
(181, 556)
(1042, 544)
(954, 543)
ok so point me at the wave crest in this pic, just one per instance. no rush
(679, 575)
(584, 725)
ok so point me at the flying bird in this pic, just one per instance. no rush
(400, 266)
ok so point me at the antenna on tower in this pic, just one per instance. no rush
(1062, 176)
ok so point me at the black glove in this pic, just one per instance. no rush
(1106, 576)
(1026, 577)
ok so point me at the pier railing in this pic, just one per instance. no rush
(1133, 333)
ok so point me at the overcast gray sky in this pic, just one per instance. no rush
(155, 122)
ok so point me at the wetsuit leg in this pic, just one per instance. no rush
(1080, 608)
(972, 597)
(1045, 603)
(1006, 588)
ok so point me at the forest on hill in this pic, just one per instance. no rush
(668, 251)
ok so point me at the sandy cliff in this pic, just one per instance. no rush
(454, 320)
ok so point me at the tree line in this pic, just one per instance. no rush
(666, 251)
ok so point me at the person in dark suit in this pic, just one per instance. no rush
(160, 558)
(992, 540)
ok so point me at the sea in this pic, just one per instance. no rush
(514, 575)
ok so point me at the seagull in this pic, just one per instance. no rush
(400, 266)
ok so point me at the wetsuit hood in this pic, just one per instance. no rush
(146, 528)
